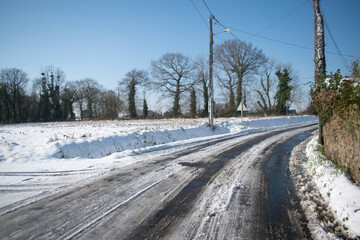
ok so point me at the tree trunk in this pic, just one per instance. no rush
(145, 109)
(206, 98)
(176, 106)
(1, 118)
(132, 105)
(81, 110)
(232, 107)
(239, 90)
(90, 109)
(193, 103)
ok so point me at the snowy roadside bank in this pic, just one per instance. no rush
(93, 140)
(331, 201)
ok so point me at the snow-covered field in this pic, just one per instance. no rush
(37, 160)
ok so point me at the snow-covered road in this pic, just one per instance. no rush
(40, 159)
(210, 189)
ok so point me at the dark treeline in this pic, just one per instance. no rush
(242, 72)
(52, 98)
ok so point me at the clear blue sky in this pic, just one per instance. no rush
(104, 39)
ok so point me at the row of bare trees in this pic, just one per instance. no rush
(237, 64)
(242, 72)
(175, 77)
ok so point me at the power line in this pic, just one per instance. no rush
(288, 43)
(283, 17)
(252, 34)
(275, 40)
(259, 36)
(207, 8)
(203, 19)
(271, 39)
(333, 39)
(199, 13)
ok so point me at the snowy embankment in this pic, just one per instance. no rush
(342, 195)
(92, 140)
(329, 198)
(104, 146)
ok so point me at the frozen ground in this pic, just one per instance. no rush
(161, 188)
(37, 160)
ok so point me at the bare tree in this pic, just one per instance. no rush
(131, 80)
(172, 75)
(88, 92)
(265, 93)
(13, 83)
(240, 58)
(33, 112)
(80, 96)
(227, 81)
(68, 98)
(111, 104)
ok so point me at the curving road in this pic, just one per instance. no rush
(230, 188)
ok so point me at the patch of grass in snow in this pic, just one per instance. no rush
(56, 137)
(338, 170)
(85, 135)
(53, 139)
(318, 162)
(321, 149)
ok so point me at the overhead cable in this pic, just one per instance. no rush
(283, 17)
(333, 39)
(275, 40)
(199, 13)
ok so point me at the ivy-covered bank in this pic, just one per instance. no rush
(342, 141)
(337, 101)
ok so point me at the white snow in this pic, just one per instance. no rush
(339, 192)
(39, 159)
(49, 142)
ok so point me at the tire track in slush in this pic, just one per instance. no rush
(78, 229)
(182, 203)
(245, 214)
(282, 218)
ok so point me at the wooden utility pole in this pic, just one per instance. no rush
(319, 45)
(319, 57)
(211, 89)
